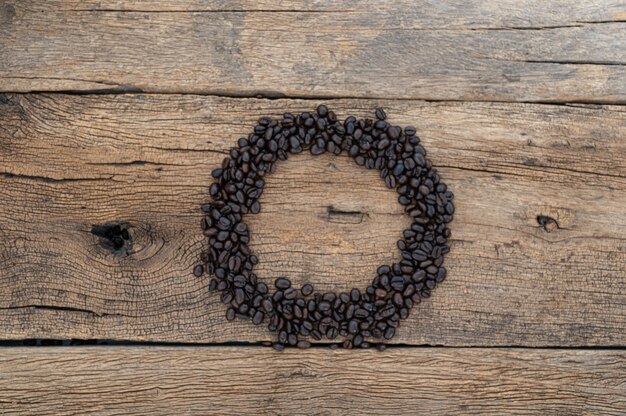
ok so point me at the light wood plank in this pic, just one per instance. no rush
(440, 50)
(69, 162)
(227, 380)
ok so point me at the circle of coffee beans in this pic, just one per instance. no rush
(357, 318)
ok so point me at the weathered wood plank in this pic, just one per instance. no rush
(450, 50)
(475, 13)
(226, 380)
(69, 162)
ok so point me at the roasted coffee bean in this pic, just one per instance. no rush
(332, 333)
(267, 305)
(198, 270)
(258, 318)
(395, 289)
(282, 283)
(353, 326)
(389, 333)
(307, 290)
(262, 288)
(303, 344)
(230, 314)
(361, 313)
(323, 306)
(291, 293)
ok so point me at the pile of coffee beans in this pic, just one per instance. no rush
(358, 318)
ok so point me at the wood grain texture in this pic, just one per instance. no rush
(438, 50)
(226, 380)
(70, 162)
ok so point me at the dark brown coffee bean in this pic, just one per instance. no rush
(198, 270)
(361, 313)
(397, 299)
(303, 344)
(291, 293)
(262, 288)
(353, 326)
(282, 283)
(258, 318)
(307, 289)
(323, 306)
(230, 314)
(332, 333)
(389, 333)
(267, 305)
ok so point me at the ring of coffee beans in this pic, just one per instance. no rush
(357, 316)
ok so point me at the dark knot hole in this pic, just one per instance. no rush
(113, 236)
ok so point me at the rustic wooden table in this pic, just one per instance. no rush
(117, 111)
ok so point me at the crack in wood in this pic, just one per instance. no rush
(275, 95)
(345, 217)
(570, 62)
(211, 11)
(61, 308)
(47, 179)
(133, 163)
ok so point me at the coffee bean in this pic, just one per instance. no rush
(258, 318)
(262, 288)
(323, 306)
(361, 313)
(303, 344)
(282, 283)
(307, 290)
(332, 333)
(353, 326)
(268, 305)
(230, 314)
(291, 293)
(198, 270)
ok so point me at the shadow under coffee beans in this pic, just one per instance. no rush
(358, 316)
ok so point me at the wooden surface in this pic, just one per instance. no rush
(146, 161)
(451, 50)
(115, 112)
(225, 381)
